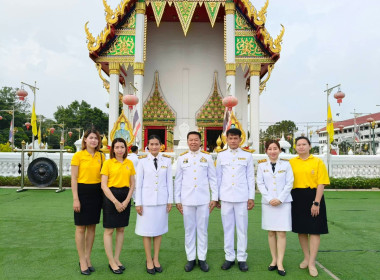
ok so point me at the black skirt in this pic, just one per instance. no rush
(90, 198)
(111, 217)
(302, 221)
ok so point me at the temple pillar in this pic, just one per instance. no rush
(114, 72)
(138, 68)
(230, 48)
(255, 69)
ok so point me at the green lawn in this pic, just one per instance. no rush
(37, 242)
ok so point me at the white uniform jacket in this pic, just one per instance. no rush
(134, 158)
(194, 178)
(277, 184)
(154, 187)
(235, 175)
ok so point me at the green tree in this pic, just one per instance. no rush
(275, 132)
(80, 115)
(8, 99)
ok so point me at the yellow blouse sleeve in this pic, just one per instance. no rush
(323, 176)
(105, 168)
(75, 160)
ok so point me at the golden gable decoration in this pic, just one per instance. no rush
(212, 111)
(156, 111)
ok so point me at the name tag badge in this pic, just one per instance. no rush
(186, 160)
(163, 166)
(281, 171)
(266, 170)
(203, 159)
(242, 158)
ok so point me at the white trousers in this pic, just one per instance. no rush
(235, 214)
(195, 219)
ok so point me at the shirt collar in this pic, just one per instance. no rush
(196, 152)
(309, 157)
(152, 157)
(234, 150)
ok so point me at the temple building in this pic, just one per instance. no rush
(181, 58)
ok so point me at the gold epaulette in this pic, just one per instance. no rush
(207, 153)
(262, 160)
(284, 159)
(167, 156)
(221, 151)
(143, 156)
(184, 153)
(248, 150)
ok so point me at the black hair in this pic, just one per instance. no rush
(194, 133)
(134, 149)
(303, 137)
(269, 142)
(117, 140)
(154, 136)
(233, 131)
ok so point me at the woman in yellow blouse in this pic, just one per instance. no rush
(87, 196)
(309, 217)
(118, 183)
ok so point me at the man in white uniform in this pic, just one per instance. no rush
(236, 184)
(194, 178)
(133, 156)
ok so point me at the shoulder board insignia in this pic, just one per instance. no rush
(284, 159)
(184, 153)
(167, 156)
(262, 160)
(222, 151)
(207, 153)
(247, 150)
(143, 156)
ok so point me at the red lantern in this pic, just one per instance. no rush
(21, 93)
(70, 133)
(27, 124)
(370, 120)
(229, 102)
(341, 126)
(1, 117)
(339, 96)
(52, 130)
(130, 100)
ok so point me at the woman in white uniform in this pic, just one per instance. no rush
(275, 181)
(154, 198)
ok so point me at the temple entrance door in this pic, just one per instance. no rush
(157, 130)
(211, 135)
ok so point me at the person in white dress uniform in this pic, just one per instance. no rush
(154, 198)
(133, 156)
(236, 184)
(194, 179)
(275, 182)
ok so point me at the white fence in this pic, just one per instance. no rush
(340, 166)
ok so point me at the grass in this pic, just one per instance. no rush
(37, 242)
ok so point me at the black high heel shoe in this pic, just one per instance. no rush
(84, 272)
(150, 270)
(116, 271)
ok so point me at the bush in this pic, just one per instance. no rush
(16, 181)
(354, 183)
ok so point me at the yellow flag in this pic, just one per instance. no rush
(34, 121)
(39, 134)
(330, 124)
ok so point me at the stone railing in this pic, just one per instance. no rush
(340, 166)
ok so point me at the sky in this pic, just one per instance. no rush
(325, 42)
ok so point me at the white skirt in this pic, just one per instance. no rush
(277, 218)
(153, 222)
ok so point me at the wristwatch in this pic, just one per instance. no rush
(315, 203)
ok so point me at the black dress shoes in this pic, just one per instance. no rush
(122, 267)
(243, 266)
(189, 266)
(227, 265)
(84, 272)
(91, 269)
(203, 265)
(150, 270)
(158, 269)
(272, 267)
(116, 271)
(281, 272)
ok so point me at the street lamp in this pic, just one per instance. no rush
(372, 125)
(341, 96)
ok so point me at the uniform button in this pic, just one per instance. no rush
(156, 183)
(195, 170)
(233, 160)
(233, 167)
(274, 177)
(195, 162)
(275, 189)
(195, 186)
(274, 183)
(155, 189)
(233, 184)
(233, 175)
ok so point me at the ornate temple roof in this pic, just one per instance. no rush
(184, 12)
